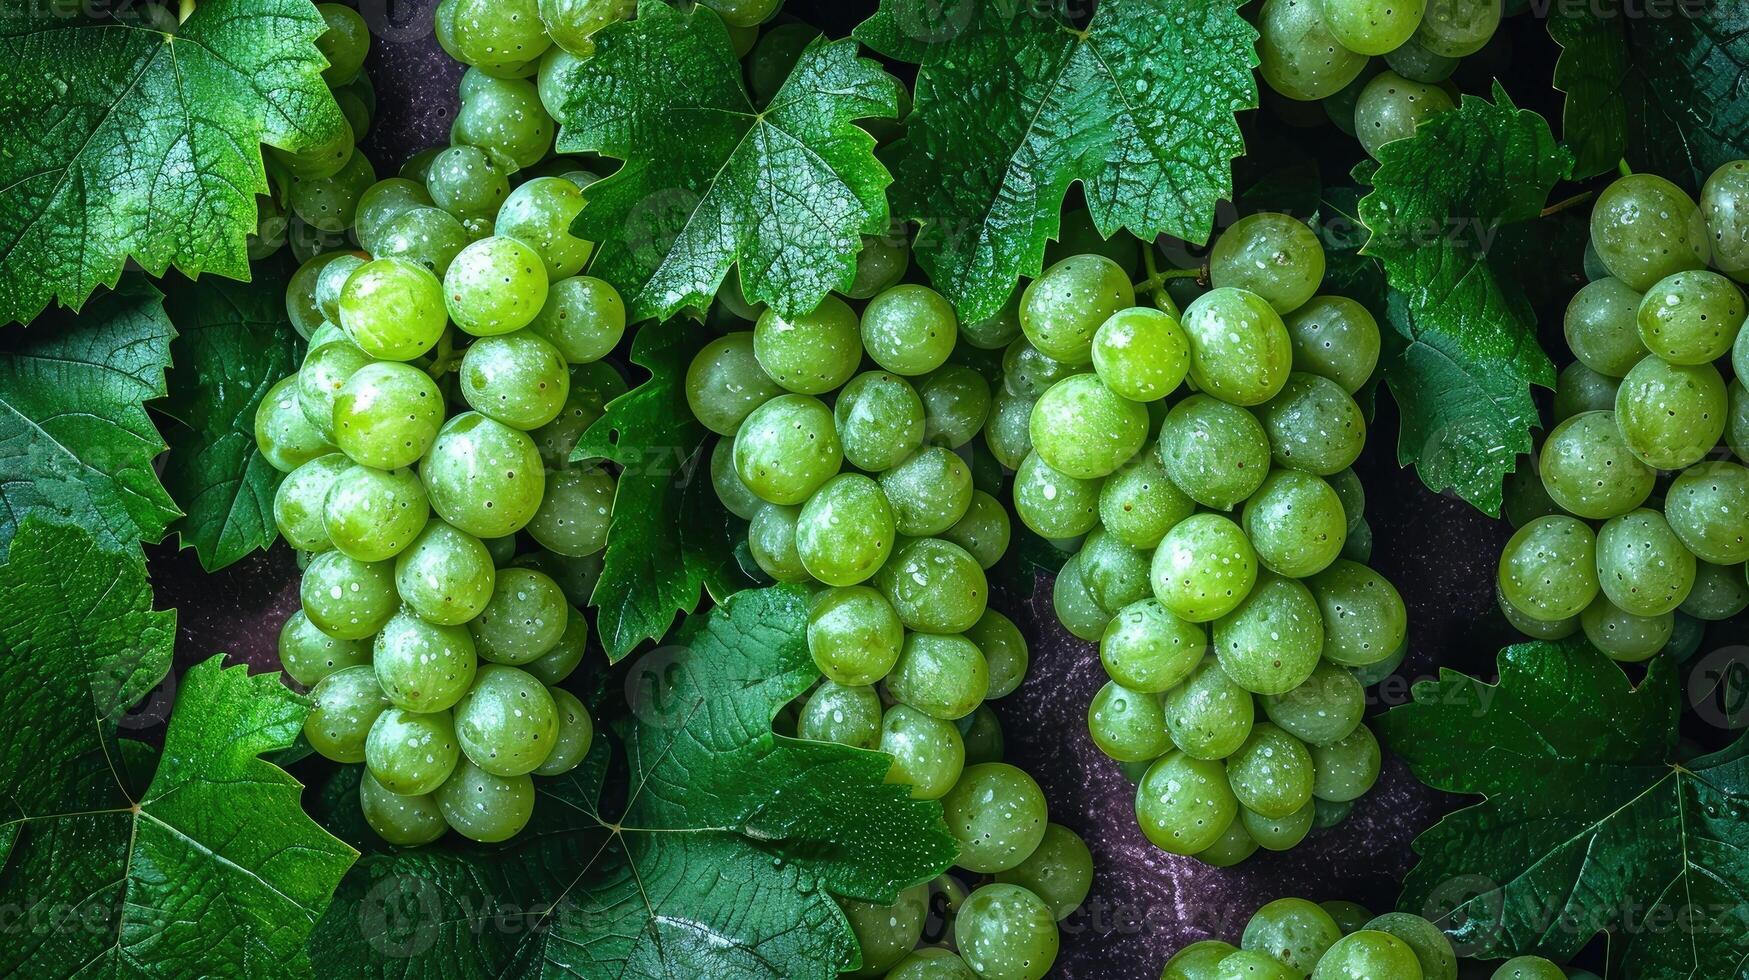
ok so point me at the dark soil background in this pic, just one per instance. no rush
(1145, 905)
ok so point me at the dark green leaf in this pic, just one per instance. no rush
(233, 343)
(786, 192)
(1442, 215)
(130, 137)
(75, 444)
(723, 863)
(1588, 824)
(212, 871)
(1013, 105)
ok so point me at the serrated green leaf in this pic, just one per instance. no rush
(1445, 208)
(709, 182)
(722, 864)
(214, 869)
(1589, 825)
(233, 342)
(131, 137)
(671, 538)
(75, 444)
(1013, 105)
(1663, 89)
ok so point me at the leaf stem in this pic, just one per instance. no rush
(1154, 284)
(1622, 167)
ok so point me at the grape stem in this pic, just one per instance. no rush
(444, 358)
(1155, 282)
(1623, 168)
(1559, 206)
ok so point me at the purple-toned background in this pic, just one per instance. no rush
(1145, 904)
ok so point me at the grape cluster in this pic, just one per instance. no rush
(1291, 939)
(1312, 50)
(1634, 519)
(454, 359)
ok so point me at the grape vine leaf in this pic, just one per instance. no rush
(1660, 86)
(130, 136)
(1014, 104)
(786, 192)
(1447, 219)
(233, 342)
(1588, 824)
(670, 536)
(205, 867)
(75, 442)
(723, 863)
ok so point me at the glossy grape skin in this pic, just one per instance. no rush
(381, 204)
(496, 285)
(880, 420)
(445, 575)
(846, 715)
(1139, 503)
(483, 476)
(429, 236)
(1209, 716)
(884, 259)
(575, 512)
(300, 503)
(1029, 372)
(1334, 337)
(1391, 107)
(373, 515)
(1642, 565)
(576, 735)
(405, 821)
(343, 706)
(393, 309)
(1005, 932)
(1347, 768)
(928, 753)
(1602, 328)
(982, 734)
(1532, 968)
(1434, 951)
(1671, 415)
(1326, 708)
(1705, 506)
(346, 598)
(1199, 960)
(1364, 617)
(423, 666)
(411, 753)
(1579, 389)
(1147, 649)
(325, 372)
(571, 23)
(523, 620)
(1294, 932)
(307, 654)
(329, 203)
(771, 540)
(929, 492)
(1622, 635)
(387, 415)
(1372, 27)
(1271, 773)
(733, 494)
(1062, 310)
(787, 447)
(854, 635)
(909, 330)
(956, 402)
(518, 379)
(1008, 430)
(1054, 504)
(1369, 954)
(507, 723)
(935, 586)
(1083, 429)
(1204, 568)
(1270, 643)
(485, 807)
(1296, 523)
(1217, 454)
(1719, 592)
(584, 319)
(1240, 351)
(1313, 425)
(1691, 317)
(1127, 725)
(1141, 353)
(539, 214)
(810, 354)
(725, 383)
(984, 530)
(886, 933)
(1074, 607)
(845, 531)
(997, 813)
(1724, 203)
(1184, 804)
(498, 34)
(1646, 228)
(1588, 469)
(1059, 871)
(1299, 56)
(1274, 256)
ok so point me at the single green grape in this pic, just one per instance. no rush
(325, 371)
(496, 285)
(929, 493)
(1275, 256)
(498, 34)
(1216, 453)
(507, 723)
(884, 259)
(430, 237)
(1548, 570)
(445, 576)
(1298, 55)
(1271, 773)
(1147, 649)
(539, 213)
(1313, 425)
(1579, 389)
(518, 379)
(1719, 592)
(343, 707)
(1296, 523)
(344, 42)
(1645, 228)
(854, 635)
(1434, 951)
(1602, 326)
(1531, 968)
(1350, 916)
(485, 807)
(787, 447)
(1114, 573)
(1005, 932)
(1372, 27)
(1028, 372)
(387, 414)
(1671, 415)
(1391, 107)
(331, 282)
(725, 383)
(1200, 960)
(307, 654)
(523, 620)
(423, 666)
(576, 510)
(771, 539)
(1458, 28)
(1204, 568)
(1705, 506)
(1209, 716)
(1364, 617)
(373, 515)
(1008, 431)
(411, 753)
(1234, 847)
(810, 354)
(997, 813)
(982, 733)
(576, 735)
(846, 715)
(1369, 954)
(1059, 871)
(1589, 470)
(984, 530)
(1724, 204)
(584, 318)
(735, 496)
(1240, 351)
(1642, 565)
(1691, 317)
(330, 203)
(845, 531)
(1325, 708)
(466, 182)
(909, 330)
(1293, 931)
(346, 598)
(1139, 503)
(1128, 725)
(1280, 833)
(928, 753)
(956, 403)
(300, 503)
(935, 586)
(483, 476)
(1062, 310)
(880, 420)
(1184, 804)
(1052, 503)
(1622, 635)
(1271, 641)
(1334, 337)
(885, 934)
(1345, 769)
(1074, 607)
(1083, 429)
(405, 821)
(1141, 353)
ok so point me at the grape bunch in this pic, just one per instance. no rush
(454, 360)
(1291, 939)
(1322, 50)
(1634, 519)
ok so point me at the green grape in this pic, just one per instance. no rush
(411, 753)
(307, 654)
(1127, 725)
(1548, 570)
(1004, 650)
(725, 383)
(1005, 932)
(405, 821)
(1313, 425)
(558, 75)
(1349, 916)
(575, 512)
(300, 294)
(576, 735)
(1082, 429)
(997, 813)
(429, 237)
(1141, 354)
(381, 204)
(584, 318)
(1646, 228)
(886, 933)
(1062, 310)
(485, 807)
(1339, 107)
(576, 576)
(331, 282)
(387, 414)
(1347, 768)
(771, 540)
(346, 598)
(1147, 649)
(418, 166)
(1209, 716)
(883, 260)
(343, 707)
(1184, 804)
(1623, 635)
(984, 531)
(1052, 503)
(558, 663)
(1114, 574)
(1203, 568)
(995, 332)
(301, 501)
(845, 531)
(1458, 28)
(1334, 337)
(1526, 499)
(854, 635)
(571, 23)
(1358, 547)
(929, 493)
(1074, 607)
(935, 586)
(1274, 256)
(505, 117)
(1374, 673)
(495, 286)
(1415, 62)
(518, 379)
(1530, 968)
(1199, 960)
(956, 402)
(539, 214)
(1008, 432)
(1028, 372)
(1279, 833)
(584, 406)
(330, 203)
(1719, 592)
(744, 13)
(1295, 932)
(787, 447)
(1705, 507)
(1298, 56)
(1589, 470)
(1391, 107)
(1724, 202)
(1139, 503)
(1271, 773)
(1434, 951)
(1372, 27)
(423, 666)
(483, 476)
(1326, 708)
(1352, 494)
(739, 500)
(325, 371)
(1602, 327)
(1364, 617)
(523, 620)
(1240, 351)
(811, 354)
(1296, 523)
(1641, 564)
(373, 515)
(1059, 870)
(927, 753)
(982, 733)
(909, 330)
(1579, 389)
(344, 43)
(1691, 317)
(1233, 847)
(880, 420)
(445, 576)
(1671, 415)
(1216, 453)
(467, 182)
(496, 34)
(1370, 954)
(1736, 432)
(847, 715)
(1270, 642)
(507, 722)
